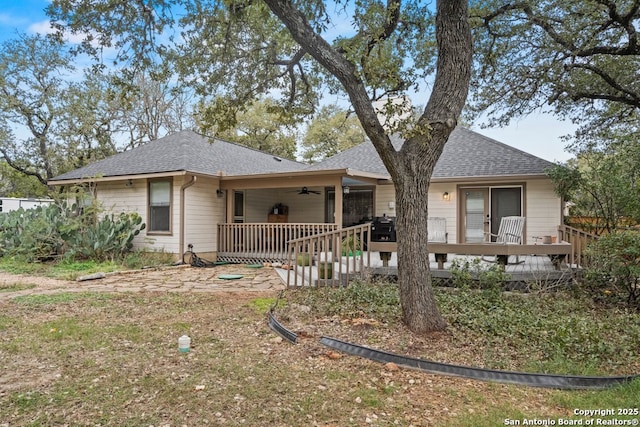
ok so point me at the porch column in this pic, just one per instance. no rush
(229, 196)
(338, 202)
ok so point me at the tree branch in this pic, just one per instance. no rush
(629, 97)
(20, 169)
(342, 69)
(626, 22)
(290, 66)
(393, 18)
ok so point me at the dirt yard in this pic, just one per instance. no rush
(112, 359)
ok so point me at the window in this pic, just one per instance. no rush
(238, 206)
(160, 206)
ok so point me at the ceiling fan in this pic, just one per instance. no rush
(305, 190)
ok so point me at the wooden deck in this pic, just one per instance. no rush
(557, 252)
(530, 269)
(321, 243)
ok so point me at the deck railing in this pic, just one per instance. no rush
(262, 242)
(332, 258)
(579, 240)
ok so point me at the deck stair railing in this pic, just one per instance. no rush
(262, 242)
(332, 258)
(579, 240)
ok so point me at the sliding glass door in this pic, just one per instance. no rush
(482, 209)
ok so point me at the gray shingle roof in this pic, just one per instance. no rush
(466, 154)
(185, 151)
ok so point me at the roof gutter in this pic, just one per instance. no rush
(182, 210)
(305, 173)
(493, 178)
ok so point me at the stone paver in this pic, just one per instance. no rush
(167, 279)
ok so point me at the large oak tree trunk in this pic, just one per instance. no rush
(412, 166)
(419, 309)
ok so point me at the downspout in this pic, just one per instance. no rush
(182, 209)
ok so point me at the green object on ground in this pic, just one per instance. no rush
(254, 265)
(230, 276)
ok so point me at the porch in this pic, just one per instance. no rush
(324, 254)
(263, 242)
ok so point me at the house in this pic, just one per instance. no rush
(221, 197)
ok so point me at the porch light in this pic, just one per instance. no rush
(129, 183)
(345, 190)
(446, 196)
(219, 193)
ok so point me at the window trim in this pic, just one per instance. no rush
(150, 231)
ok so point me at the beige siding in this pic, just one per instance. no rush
(437, 206)
(203, 211)
(542, 206)
(543, 210)
(384, 195)
(302, 208)
(258, 202)
(117, 197)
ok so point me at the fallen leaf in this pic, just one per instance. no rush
(390, 366)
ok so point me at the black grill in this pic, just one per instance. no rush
(383, 229)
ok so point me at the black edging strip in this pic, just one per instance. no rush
(568, 382)
(281, 330)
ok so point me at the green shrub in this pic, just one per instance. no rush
(32, 234)
(358, 299)
(613, 272)
(476, 275)
(56, 230)
(558, 332)
(107, 238)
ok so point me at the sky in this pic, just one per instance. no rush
(539, 135)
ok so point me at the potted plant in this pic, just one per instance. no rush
(351, 245)
(304, 258)
(325, 266)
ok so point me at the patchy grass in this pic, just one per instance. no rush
(15, 287)
(262, 305)
(71, 269)
(57, 298)
(113, 359)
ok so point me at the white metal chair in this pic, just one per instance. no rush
(509, 232)
(437, 233)
(437, 229)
